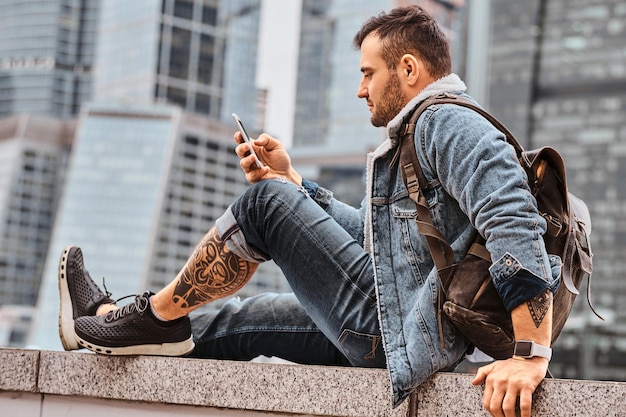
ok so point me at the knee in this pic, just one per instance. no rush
(271, 191)
(276, 186)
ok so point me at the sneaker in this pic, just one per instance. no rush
(80, 296)
(134, 330)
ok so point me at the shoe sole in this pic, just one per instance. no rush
(163, 349)
(66, 314)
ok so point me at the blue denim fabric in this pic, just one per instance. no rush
(330, 273)
(361, 300)
(267, 324)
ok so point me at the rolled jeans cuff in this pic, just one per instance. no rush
(230, 233)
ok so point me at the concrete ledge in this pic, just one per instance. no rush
(225, 384)
(258, 388)
(19, 370)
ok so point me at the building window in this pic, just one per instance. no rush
(203, 103)
(209, 12)
(177, 95)
(179, 53)
(205, 59)
(183, 9)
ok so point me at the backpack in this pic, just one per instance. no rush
(467, 295)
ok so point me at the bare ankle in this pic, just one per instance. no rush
(163, 310)
(105, 308)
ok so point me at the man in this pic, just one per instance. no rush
(364, 285)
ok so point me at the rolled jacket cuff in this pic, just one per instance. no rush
(522, 287)
(517, 285)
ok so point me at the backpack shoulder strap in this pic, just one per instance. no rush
(461, 101)
(415, 182)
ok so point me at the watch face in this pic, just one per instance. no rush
(522, 348)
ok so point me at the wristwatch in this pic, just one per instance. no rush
(528, 349)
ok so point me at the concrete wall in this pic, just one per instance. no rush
(50, 384)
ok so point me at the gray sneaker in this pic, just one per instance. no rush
(80, 296)
(134, 330)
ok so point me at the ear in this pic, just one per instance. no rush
(409, 68)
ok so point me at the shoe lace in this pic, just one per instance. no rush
(108, 293)
(140, 305)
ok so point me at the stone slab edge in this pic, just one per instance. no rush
(452, 394)
(318, 390)
(296, 389)
(19, 370)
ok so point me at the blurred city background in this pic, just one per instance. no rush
(116, 134)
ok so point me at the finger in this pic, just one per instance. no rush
(525, 403)
(256, 175)
(488, 392)
(480, 376)
(266, 141)
(482, 373)
(242, 150)
(508, 404)
(263, 139)
(495, 404)
(248, 163)
(238, 137)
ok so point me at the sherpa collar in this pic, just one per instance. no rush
(448, 84)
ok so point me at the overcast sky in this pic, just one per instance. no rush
(278, 46)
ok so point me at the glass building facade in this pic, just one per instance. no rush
(328, 112)
(33, 155)
(198, 54)
(46, 55)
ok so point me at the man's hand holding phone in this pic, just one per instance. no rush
(263, 158)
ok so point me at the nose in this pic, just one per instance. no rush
(362, 91)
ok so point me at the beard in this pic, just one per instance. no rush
(391, 102)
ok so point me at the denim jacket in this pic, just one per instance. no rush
(477, 185)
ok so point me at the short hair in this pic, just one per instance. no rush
(409, 30)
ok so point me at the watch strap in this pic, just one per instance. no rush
(529, 349)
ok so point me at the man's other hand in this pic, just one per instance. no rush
(506, 381)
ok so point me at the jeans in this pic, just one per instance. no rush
(331, 318)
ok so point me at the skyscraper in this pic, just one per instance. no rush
(47, 53)
(33, 156)
(201, 55)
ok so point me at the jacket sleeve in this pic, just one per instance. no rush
(474, 164)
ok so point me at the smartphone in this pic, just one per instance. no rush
(247, 139)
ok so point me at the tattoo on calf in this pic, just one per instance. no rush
(539, 306)
(212, 272)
